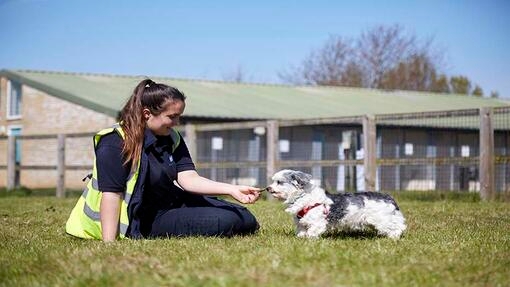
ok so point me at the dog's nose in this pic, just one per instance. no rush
(268, 189)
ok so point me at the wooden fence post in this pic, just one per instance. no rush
(61, 165)
(486, 162)
(272, 148)
(191, 140)
(369, 149)
(11, 163)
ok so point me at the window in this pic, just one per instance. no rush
(13, 100)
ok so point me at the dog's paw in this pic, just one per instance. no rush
(301, 233)
(307, 234)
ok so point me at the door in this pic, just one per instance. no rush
(16, 131)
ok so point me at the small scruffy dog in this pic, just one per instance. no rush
(316, 212)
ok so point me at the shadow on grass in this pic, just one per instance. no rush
(335, 234)
(352, 234)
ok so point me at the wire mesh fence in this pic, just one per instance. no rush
(234, 156)
(429, 151)
(416, 151)
(502, 149)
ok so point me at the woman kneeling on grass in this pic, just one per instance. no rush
(132, 193)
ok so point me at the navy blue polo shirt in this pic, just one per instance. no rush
(163, 166)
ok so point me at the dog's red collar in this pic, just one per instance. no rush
(305, 210)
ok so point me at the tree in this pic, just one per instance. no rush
(384, 57)
(416, 73)
(353, 75)
(237, 76)
(477, 91)
(440, 84)
(381, 51)
(330, 65)
(460, 85)
(494, 94)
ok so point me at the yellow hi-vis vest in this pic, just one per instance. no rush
(85, 220)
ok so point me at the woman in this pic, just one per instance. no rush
(132, 192)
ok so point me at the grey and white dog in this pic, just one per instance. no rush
(316, 212)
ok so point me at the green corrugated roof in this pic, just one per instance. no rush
(108, 93)
(501, 122)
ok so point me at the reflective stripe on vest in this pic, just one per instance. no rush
(85, 219)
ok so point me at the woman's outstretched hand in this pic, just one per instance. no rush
(190, 180)
(245, 194)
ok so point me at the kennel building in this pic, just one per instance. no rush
(421, 141)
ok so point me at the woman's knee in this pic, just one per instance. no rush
(238, 222)
(248, 223)
(251, 224)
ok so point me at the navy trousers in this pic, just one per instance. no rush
(204, 216)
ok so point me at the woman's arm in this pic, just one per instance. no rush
(191, 181)
(112, 175)
(109, 211)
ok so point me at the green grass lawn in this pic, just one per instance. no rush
(448, 243)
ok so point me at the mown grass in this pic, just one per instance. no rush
(448, 243)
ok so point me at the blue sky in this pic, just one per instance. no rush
(211, 39)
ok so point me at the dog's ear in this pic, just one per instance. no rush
(301, 178)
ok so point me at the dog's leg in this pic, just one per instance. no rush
(384, 217)
(317, 229)
(397, 225)
(301, 233)
(393, 227)
(301, 229)
(315, 222)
